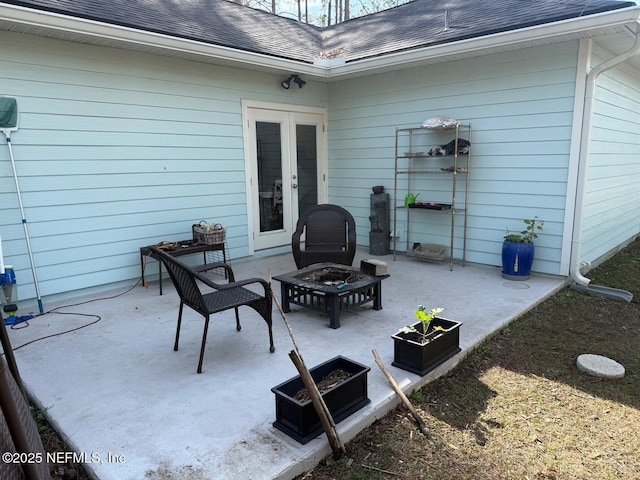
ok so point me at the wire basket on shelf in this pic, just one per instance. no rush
(209, 233)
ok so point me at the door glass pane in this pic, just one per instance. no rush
(307, 166)
(269, 149)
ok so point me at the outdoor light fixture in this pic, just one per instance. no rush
(286, 83)
(296, 79)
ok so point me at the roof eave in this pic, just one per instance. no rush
(67, 27)
(503, 41)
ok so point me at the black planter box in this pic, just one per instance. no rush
(299, 420)
(409, 354)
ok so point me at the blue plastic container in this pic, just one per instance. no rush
(8, 277)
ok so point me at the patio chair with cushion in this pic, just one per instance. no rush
(188, 280)
(329, 236)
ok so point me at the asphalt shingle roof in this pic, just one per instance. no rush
(217, 22)
(422, 22)
(416, 24)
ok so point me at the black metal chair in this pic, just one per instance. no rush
(330, 236)
(223, 297)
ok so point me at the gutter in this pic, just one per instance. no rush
(580, 281)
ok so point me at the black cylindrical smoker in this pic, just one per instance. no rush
(380, 225)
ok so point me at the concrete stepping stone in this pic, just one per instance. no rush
(599, 366)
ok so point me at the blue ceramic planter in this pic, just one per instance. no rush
(517, 259)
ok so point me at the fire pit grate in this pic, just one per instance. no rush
(330, 276)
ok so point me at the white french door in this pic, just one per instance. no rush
(286, 170)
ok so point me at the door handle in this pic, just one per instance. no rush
(294, 185)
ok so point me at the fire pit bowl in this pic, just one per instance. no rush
(330, 276)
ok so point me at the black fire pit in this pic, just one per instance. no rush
(330, 288)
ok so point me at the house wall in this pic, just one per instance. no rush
(116, 150)
(612, 199)
(520, 106)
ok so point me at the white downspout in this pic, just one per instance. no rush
(585, 144)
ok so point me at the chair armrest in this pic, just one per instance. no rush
(295, 245)
(239, 283)
(249, 281)
(211, 266)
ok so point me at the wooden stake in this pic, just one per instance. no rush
(318, 403)
(423, 427)
(380, 470)
(275, 300)
(312, 389)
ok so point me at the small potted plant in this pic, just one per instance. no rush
(421, 347)
(518, 250)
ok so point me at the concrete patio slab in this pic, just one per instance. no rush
(138, 410)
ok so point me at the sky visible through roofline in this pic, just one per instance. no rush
(317, 9)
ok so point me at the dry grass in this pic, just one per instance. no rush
(518, 408)
(52, 442)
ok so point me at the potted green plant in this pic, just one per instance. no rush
(518, 250)
(421, 347)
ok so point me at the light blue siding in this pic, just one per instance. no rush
(520, 107)
(612, 212)
(116, 150)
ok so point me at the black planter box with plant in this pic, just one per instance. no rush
(298, 418)
(411, 354)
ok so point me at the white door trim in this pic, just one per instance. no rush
(249, 154)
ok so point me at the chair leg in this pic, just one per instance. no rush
(267, 318)
(238, 326)
(272, 348)
(204, 342)
(264, 309)
(175, 345)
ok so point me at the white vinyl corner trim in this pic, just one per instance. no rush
(585, 143)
